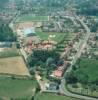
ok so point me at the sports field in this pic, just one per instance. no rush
(89, 67)
(13, 65)
(31, 18)
(49, 96)
(46, 35)
(19, 89)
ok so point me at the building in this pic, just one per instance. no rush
(29, 32)
(58, 73)
(52, 86)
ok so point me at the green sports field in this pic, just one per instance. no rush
(31, 18)
(45, 35)
(49, 96)
(22, 89)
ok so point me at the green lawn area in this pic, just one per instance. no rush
(49, 96)
(90, 67)
(9, 53)
(22, 89)
(45, 35)
(32, 18)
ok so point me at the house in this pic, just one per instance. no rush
(52, 86)
(58, 73)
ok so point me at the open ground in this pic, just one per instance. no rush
(20, 89)
(89, 67)
(13, 65)
(49, 96)
(31, 18)
(45, 35)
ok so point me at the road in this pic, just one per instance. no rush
(63, 89)
(11, 24)
(59, 25)
(23, 53)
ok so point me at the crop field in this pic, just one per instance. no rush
(31, 18)
(89, 67)
(18, 89)
(49, 96)
(13, 65)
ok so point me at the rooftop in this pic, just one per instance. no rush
(58, 73)
(29, 30)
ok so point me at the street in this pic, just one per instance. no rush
(63, 89)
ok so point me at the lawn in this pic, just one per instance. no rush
(45, 35)
(90, 67)
(13, 65)
(22, 89)
(9, 53)
(28, 18)
(49, 96)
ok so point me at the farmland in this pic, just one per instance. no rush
(31, 18)
(49, 96)
(19, 89)
(13, 65)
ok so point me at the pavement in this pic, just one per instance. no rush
(64, 91)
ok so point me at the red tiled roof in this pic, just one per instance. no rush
(58, 73)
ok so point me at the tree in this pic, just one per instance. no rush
(43, 56)
(49, 61)
(6, 33)
(81, 77)
(31, 60)
(60, 62)
(92, 87)
(96, 82)
(70, 78)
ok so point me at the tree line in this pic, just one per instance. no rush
(6, 33)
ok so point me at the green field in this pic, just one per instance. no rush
(31, 18)
(89, 67)
(49, 96)
(22, 89)
(9, 53)
(45, 35)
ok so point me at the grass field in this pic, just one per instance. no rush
(13, 65)
(49, 96)
(22, 89)
(31, 18)
(45, 35)
(9, 53)
(90, 67)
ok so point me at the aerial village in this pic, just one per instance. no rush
(48, 50)
(30, 40)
